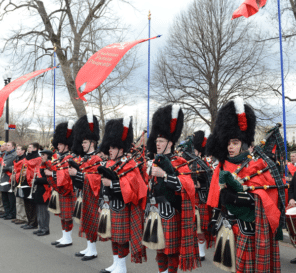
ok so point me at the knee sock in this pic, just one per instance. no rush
(162, 261)
(67, 225)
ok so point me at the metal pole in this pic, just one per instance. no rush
(7, 115)
(54, 85)
(149, 19)
(283, 81)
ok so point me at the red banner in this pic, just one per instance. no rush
(9, 88)
(100, 65)
(248, 8)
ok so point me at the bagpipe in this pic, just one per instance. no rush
(112, 173)
(224, 256)
(104, 228)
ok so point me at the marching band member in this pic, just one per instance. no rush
(202, 187)
(123, 196)
(292, 199)
(59, 178)
(291, 166)
(86, 178)
(30, 166)
(245, 212)
(21, 217)
(171, 197)
(41, 195)
(8, 197)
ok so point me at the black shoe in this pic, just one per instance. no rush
(105, 271)
(78, 254)
(3, 215)
(202, 258)
(293, 261)
(37, 231)
(30, 227)
(23, 226)
(43, 233)
(9, 217)
(88, 258)
(55, 243)
(63, 245)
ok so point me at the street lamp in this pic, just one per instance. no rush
(7, 78)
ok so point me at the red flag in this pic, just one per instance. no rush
(248, 8)
(100, 65)
(9, 88)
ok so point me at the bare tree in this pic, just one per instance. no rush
(22, 134)
(209, 59)
(45, 131)
(68, 25)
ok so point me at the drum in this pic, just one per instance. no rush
(291, 224)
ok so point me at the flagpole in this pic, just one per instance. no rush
(283, 81)
(149, 20)
(54, 85)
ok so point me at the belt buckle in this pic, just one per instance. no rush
(106, 198)
(152, 201)
(226, 224)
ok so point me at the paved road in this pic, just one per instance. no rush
(21, 251)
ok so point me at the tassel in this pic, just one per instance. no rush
(104, 224)
(227, 254)
(50, 202)
(79, 211)
(218, 252)
(75, 210)
(147, 231)
(154, 236)
(54, 202)
(101, 223)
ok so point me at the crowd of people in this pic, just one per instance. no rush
(178, 200)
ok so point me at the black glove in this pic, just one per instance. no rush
(73, 164)
(77, 183)
(5, 169)
(227, 197)
(107, 173)
(40, 181)
(212, 227)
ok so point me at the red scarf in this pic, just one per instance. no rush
(94, 179)
(47, 194)
(133, 187)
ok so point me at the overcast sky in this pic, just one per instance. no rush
(162, 14)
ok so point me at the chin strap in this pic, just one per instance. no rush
(165, 148)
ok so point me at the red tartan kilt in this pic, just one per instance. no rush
(172, 234)
(120, 225)
(205, 213)
(67, 205)
(89, 221)
(245, 253)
